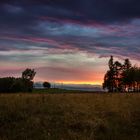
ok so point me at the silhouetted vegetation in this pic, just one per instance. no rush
(122, 77)
(22, 84)
(28, 74)
(46, 85)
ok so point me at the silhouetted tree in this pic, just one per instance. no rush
(22, 84)
(109, 79)
(126, 75)
(127, 64)
(28, 74)
(122, 78)
(117, 76)
(137, 79)
(46, 85)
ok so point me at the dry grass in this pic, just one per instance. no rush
(69, 117)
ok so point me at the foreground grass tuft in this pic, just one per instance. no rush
(70, 117)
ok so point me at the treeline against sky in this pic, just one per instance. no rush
(21, 84)
(122, 77)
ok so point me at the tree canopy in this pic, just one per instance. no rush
(122, 77)
(28, 74)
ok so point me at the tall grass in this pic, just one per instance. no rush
(70, 117)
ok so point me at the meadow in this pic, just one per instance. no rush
(69, 116)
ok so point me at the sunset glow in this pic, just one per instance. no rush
(80, 82)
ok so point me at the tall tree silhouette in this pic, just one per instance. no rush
(117, 76)
(137, 79)
(127, 75)
(122, 77)
(109, 79)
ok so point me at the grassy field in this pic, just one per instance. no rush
(62, 91)
(69, 116)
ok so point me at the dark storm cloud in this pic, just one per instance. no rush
(66, 24)
(22, 16)
(100, 10)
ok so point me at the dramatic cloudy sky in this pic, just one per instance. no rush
(67, 41)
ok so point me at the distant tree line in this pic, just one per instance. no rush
(122, 77)
(21, 84)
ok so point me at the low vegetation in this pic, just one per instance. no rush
(69, 116)
(20, 84)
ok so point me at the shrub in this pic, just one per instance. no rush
(46, 85)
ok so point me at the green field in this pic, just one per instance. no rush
(70, 116)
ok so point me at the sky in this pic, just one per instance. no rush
(67, 41)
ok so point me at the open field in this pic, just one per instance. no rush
(62, 91)
(70, 116)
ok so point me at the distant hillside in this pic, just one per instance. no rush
(84, 87)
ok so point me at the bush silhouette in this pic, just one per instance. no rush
(46, 85)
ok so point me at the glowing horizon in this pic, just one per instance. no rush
(73, 82)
